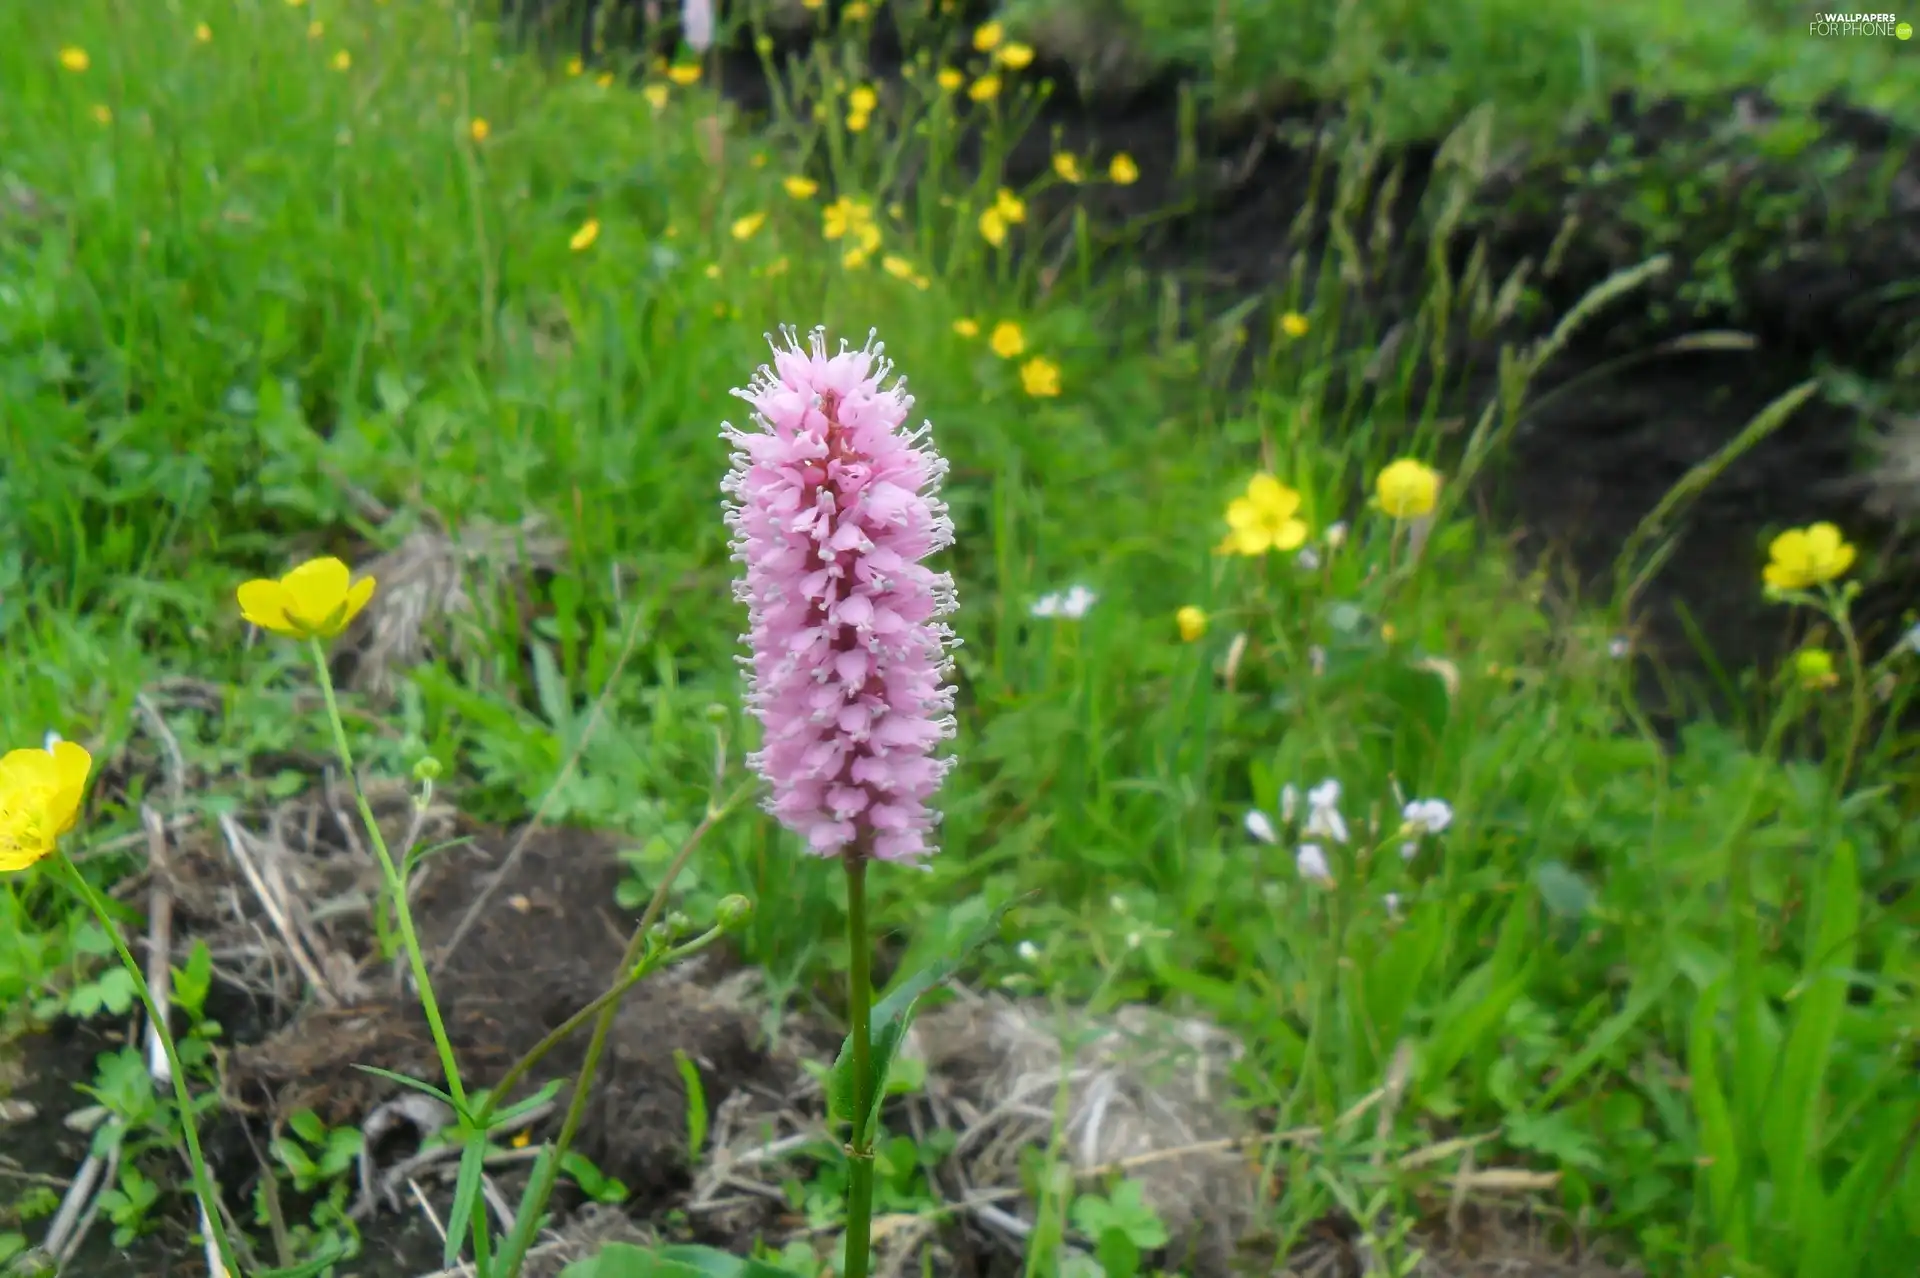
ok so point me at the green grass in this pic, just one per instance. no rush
(1416, 67)
(248, 282)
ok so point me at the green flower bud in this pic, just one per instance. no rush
(733, 912)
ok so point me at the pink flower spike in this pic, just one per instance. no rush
(833, 509)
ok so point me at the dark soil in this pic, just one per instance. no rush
(550, 943)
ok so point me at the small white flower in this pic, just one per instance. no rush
(1289, 802)
(1618, 647)
(1336, 535)
(1392, 901)
(1259, 827)
(1308, 559)
(696, 24)
(1323, 816)
(1133, 940)
(1028, 951)
(1408, 851)
(1311, 862)
(1070, 606)
(1427, 816)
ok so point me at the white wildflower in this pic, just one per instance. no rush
(1289, 802)
(1308, 559)
(1259, 827)
(1311, 862)
(1336, 535)
(1323, 814)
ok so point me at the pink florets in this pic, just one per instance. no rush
(832, 509)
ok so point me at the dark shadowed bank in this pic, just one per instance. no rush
(1791, 249)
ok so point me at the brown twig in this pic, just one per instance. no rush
(159, 945)
(236, 840)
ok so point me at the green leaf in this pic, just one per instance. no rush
(466, 1193)
(889, 1022)
(413, 1083)
(696, 1103)
(624, 1260)
(1564, 892)
(714, 1263)
(1118, 1256)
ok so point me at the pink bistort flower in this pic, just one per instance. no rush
(832, 508)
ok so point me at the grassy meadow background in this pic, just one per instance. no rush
(280, 280)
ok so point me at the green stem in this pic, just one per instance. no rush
(396, 887)
(547, 1170)
(860, 1016)
(1857, 668)
(202, 1179)
(639, 972)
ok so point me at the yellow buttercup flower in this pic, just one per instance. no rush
(656, 95)
(993, 227)
(857, 121)
(801, 188)
(75, 59)
(604, 80)
(40, 795)
(575, 66)
(1811, 556)
(1408, 489)
(1010, 206)
(1123, 171)
(950, 79)
(342, 60)
(1814, 668)
(202, 33)
(744, 227)
(583, 239)
(986, 37)
(854, 258)
(1007, 340)
(1293, 324)
(1066, 166)
(684, 73)
(317, 600)
(863, 100)
(985, 89)
(1016, 57)
(1264, 519)
(1040, 377)
(966, 327)
(1192, 622)
(478, 129)
(898, 267)
(857, 11)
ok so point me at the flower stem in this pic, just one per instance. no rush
(860, 1016)
(202, 1179)
(396, 887)
(547, 1170)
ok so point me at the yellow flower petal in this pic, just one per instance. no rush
(1192, 622)
(264, 604)
(71, 764)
